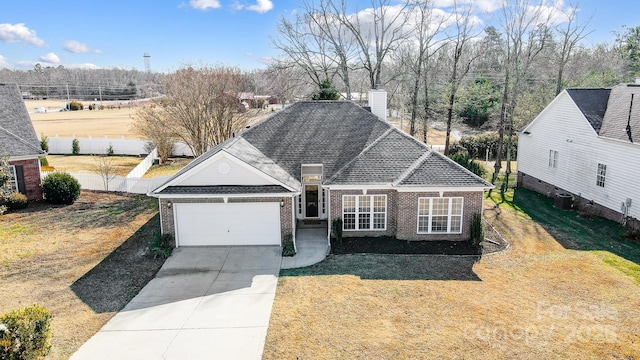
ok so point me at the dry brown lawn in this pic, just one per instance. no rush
(537, 300)
(55, 256)
(172, 166)
(121, 165)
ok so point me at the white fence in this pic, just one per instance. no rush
(121, 146)
(116, 183)
(144, 165)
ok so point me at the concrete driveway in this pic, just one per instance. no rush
(204, 303)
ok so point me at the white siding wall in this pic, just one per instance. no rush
(562, 127)
(236, 174)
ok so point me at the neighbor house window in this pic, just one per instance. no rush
(364, 212)
(13, 179)
(440, 215)
(553, 159)
(602, 173)
(299, 204)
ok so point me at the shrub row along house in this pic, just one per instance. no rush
(585, 143)
(19, 142)
(320, 160)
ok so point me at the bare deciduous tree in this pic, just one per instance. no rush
(525, 29)
(571, 32)
(201, 106)
(461, 60)
(150, 124)
(103, 166)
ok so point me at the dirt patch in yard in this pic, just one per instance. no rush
(83, 262)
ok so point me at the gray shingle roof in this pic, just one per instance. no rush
(622, 119)
(331, 133)
(17, 136)
(437, 170)
(592, 103)
(353, 145)
(224, 190)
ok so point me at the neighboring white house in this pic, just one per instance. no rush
(586, 143)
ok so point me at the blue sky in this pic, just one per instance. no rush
(117, 33)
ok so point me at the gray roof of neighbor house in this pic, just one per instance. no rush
(354, 146)
(613, 113)
(17, 136)
(622, 118)
(592, 103)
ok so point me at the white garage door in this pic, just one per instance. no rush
(204, 224)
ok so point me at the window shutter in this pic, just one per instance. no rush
(22, 188)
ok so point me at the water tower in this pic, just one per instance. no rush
(147, 62)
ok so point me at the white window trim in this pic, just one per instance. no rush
(13, 179)
(449, 215)
(601, 179)
(553, 159)
(371, 212)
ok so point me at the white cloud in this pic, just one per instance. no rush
(262, 6)
(3, 62)
(204, 4)
(50, 58)
(28, 64)
(77, 47)
(14, 33)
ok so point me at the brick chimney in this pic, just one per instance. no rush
(378, 103)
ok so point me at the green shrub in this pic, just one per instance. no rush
(110, 150)
(43, 161)
(60, 188)
(25, 333)
(477, 145)
(91, 106)
(336, 225)
(44, 143)
(288, 249)
(477, 229)
(160, 246)
(75, 106)
(16, 201)
(75, 146)
(466, 161)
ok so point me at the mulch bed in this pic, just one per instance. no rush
(389, 245)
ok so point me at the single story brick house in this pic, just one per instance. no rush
(19, 142)
(319, 161)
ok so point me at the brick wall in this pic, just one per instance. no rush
(408, 214)
(582, 204)
(336, 212)
(168, 224)
(402, 214)
(31, 169)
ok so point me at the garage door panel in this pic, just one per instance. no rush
(201, 224)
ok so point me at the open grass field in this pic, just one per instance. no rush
(567, 288)
(96, 123)
(83, 262)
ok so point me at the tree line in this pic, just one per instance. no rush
(446, 65)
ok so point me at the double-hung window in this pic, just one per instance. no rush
(13, 179)
(364, 212)
(440, 215)
(601, 175)
(553, 159)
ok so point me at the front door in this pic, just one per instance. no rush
(311, 201)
